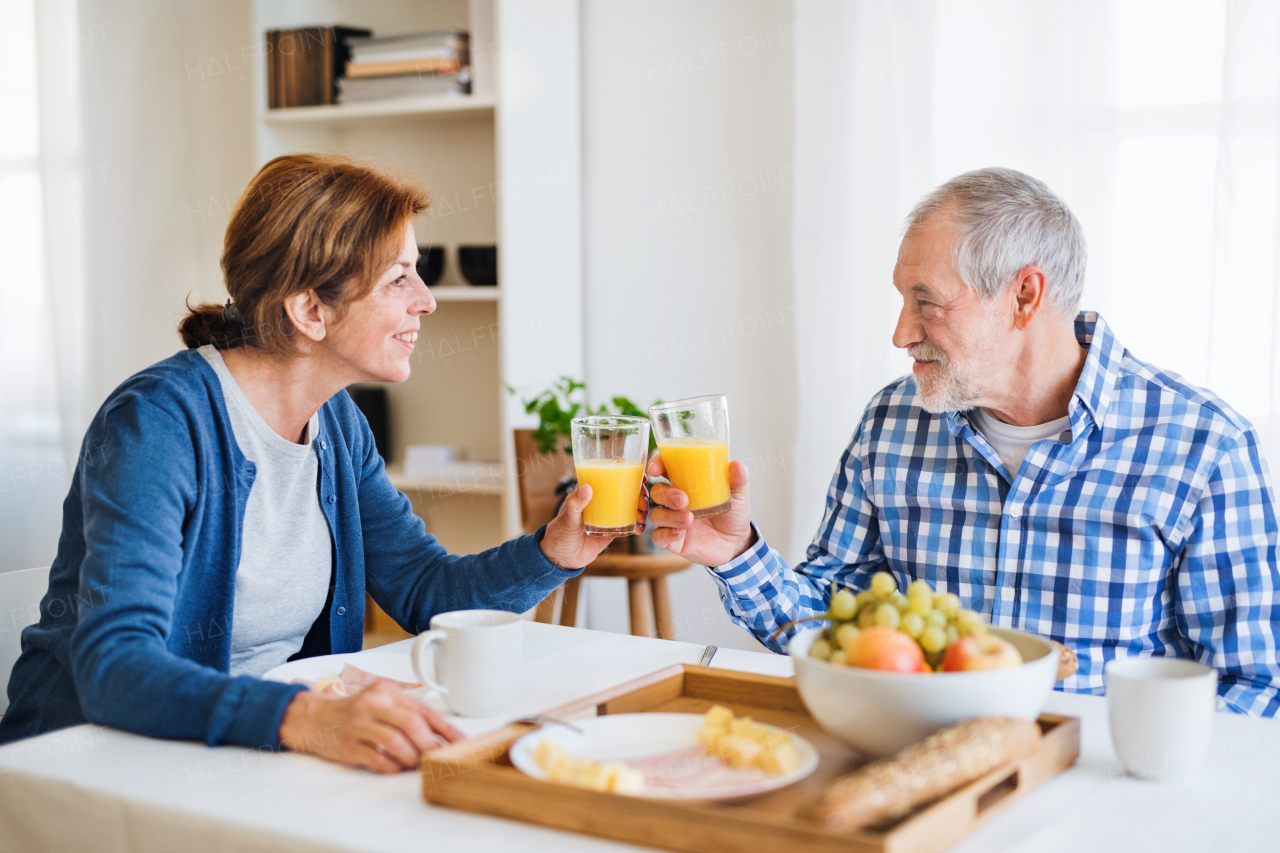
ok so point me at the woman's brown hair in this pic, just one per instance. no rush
(319, 222)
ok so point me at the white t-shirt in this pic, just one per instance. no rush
(286, 554)
(1013, 442)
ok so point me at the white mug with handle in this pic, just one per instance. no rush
(474, 661)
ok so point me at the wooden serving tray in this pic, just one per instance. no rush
(477, 776)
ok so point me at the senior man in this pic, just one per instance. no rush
(1030, 464)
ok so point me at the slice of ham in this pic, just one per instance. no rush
(690, 769)
(349, 682)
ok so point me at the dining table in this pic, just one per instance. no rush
(91, 788)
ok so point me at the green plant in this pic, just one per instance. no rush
(566, 399)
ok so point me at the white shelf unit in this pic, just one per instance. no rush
(466, 293)
(469, 151)
(442, 486)
(435, 107)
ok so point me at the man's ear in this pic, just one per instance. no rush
(1028, 295)
(308, 314)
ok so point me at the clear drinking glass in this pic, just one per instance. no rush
(610, 453)
(693, 440)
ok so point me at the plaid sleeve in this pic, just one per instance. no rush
(1228, 607)
(762, 593)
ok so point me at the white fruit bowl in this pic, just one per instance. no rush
(881, 713)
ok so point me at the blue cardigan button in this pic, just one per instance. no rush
(332, 499)
(342, 611)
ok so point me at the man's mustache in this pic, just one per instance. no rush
(925, 352)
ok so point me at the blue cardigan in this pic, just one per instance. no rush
(135, 630)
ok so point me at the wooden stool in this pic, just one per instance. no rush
(646, 576)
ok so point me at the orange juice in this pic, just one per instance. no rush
(699, 467)
(615, 494)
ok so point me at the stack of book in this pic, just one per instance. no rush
(434, 63)
(305, 64)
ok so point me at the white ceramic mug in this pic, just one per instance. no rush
(475, 659)
(1161, 714)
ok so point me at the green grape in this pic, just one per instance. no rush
(970, 622)
(912, 625)
(820, 649)
(932, 639)
(899, 601)
(920, 605)
(921, 589)
(887, 615)
(953, 634)
(842, 605)
(867, 618)
(950, 604)
(866, 597)
(846, 634)
(936, 619)
(838, 656)
(883, 585)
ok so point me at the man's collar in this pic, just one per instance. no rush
(1097, 379)
(1101, 368)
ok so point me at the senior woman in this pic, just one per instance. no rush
(229, 509)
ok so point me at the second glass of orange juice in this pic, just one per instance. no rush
(609, 454)
(693, 440)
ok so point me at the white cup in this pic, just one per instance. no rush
(1161, 714)
(475, 659)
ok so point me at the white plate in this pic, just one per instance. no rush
(619, 737)
(329, 666)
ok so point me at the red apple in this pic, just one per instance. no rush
(980, 651)
(887, 649)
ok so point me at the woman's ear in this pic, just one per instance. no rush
(308, 314)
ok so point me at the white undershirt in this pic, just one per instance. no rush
(1012, 442)
(285, 549)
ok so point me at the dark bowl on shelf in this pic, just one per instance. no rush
(479, 264)
(430, 263)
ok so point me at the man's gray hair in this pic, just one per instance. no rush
(1006, 221)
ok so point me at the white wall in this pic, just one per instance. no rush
(688, 171)
(168, 124)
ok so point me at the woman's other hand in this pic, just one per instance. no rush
(566, 542)
(710, 541)
(380, 728)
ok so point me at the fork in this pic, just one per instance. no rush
(540, 720)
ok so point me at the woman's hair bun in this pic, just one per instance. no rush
(209, 323)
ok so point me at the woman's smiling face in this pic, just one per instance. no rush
(376, 337)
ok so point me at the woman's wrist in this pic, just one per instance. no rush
(294, 724)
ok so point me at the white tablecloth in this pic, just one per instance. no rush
(90, 788)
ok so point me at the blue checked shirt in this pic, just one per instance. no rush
(1148, 529)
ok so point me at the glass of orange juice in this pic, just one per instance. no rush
(609, 453)
(693, 440)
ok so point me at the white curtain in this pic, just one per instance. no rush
(42, 317)
(1156, 120)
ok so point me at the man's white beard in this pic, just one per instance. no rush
(955, 387)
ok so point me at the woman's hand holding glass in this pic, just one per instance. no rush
(381, 728)
(566, 543)
(710, 541)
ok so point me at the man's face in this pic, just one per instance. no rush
(955, 338)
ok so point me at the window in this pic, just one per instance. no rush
(34, 472)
